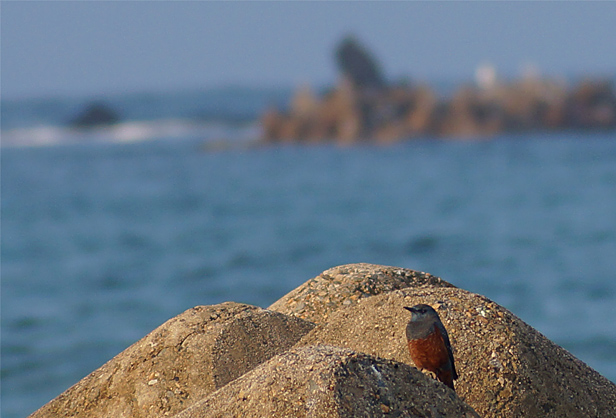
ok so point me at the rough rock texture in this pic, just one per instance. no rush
(506, 368)
(331, 382)
(239, 360)
(180, 362)
(344, 285)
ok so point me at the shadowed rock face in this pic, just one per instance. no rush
(180, 362)
(331, 382)
(356, 63)
(506, 368)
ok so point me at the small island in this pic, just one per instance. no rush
(363, 107)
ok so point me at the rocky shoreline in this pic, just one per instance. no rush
(335, 347)
(363, 107)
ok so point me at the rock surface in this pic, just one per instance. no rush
(344, 285)
(180, 362)
(332, 382)
(239, 360)
(506, 368)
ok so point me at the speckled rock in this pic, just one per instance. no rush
(342, 286)
(237, 360)
(180, 362)
(331, 382)
(506, 368)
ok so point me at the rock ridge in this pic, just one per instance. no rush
(335, 346)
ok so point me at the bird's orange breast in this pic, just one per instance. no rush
(430, 353)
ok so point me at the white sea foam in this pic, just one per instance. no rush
(132, 131)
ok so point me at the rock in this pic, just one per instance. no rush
(271, 125)
(506, 368)
(362, 107)
(532, 104)
(329, 382)
(341, 286)
(592, 104)
(357, 64)
(95, 114)
(180, 362)
(340, 117)
(239, 360)
(304, 103)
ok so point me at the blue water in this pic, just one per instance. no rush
(231, 104)
(215, 114)
(101, 242)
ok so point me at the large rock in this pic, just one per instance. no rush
(506, 368)
(237, 360)
(180, 362)
(94, 115)
(592, 104)
(331, 382)
(343, 286)
(358, 65)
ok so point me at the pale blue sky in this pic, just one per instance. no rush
(94, 48)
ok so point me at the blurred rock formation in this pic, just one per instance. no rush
(357, 65)
(95, 114)
(364, 107)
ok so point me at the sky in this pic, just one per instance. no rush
(57, 49)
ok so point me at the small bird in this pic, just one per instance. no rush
(429, 344)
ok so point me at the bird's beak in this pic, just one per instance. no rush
(408, 309)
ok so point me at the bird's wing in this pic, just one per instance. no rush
(443, 331)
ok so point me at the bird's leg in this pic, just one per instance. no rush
(430, 373)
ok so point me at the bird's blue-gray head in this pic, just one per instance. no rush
(422, 312)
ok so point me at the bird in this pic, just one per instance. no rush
(429, 344)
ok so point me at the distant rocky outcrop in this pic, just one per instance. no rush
(95, 114)
(591, 104)
(335, 346)
(364, 107)
(357, 65)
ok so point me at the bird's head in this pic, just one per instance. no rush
(421, 312)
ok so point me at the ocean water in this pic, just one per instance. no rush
(102, 242)
(215, 114)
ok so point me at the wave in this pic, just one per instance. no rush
(130, 131)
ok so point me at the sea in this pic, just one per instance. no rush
(108, 232)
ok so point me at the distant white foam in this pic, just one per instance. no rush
(133, 131)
